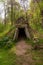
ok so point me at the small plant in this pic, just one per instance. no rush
(3, 41)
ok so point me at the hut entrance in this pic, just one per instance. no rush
(22, 30)
(21, 33)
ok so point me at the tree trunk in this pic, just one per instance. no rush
(11, 12)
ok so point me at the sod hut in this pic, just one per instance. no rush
(22, 30)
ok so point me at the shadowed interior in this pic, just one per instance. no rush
(21, 34)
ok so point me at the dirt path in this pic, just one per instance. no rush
(23, 53)
(22, 47)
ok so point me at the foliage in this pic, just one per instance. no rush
(35, 12)
(14, 12)
(7, 55)
(1, 27)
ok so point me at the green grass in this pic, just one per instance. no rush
(37, 56)
(5, 39)
(7, 58)
(6, 29)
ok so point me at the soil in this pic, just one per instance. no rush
(23, 53)
(22, 47)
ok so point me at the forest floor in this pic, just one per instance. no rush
(23, 51)
(21, 54)
(24, 54)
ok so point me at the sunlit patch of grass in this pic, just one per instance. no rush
(7, 28)
(7, 58)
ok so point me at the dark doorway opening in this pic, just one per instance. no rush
(21, 34)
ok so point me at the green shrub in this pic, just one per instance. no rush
(3, 41)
